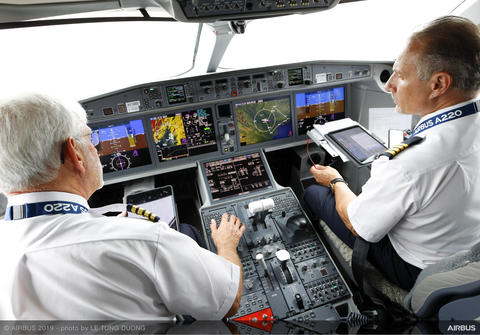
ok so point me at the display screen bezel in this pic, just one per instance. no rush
(295, 93)
(332, 136)
(174, 102)
(256, 100)
(230, 197)
(214, 146)
(106, 124)
(292, 71)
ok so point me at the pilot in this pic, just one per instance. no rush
(59, 261)
(424, 204)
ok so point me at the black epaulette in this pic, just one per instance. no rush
(396, 149)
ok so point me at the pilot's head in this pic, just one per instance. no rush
(45, 145)
(439, 66)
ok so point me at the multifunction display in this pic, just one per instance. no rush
(176, 94)
(263, 120)
(318, 107)
(295, 77)
(236, 176)
(121, 145)
(184, 134)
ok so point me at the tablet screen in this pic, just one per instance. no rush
(357, 143)
(158, 201)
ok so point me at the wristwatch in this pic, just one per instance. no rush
(334, 181)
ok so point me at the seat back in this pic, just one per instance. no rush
(440, 287)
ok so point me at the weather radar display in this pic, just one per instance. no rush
(184, 134)
(121, 145)
(263, 120)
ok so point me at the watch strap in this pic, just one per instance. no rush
(334, 181)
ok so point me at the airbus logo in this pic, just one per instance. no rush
(462, 328)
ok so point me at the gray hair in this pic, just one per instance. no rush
(450, 44)
(33, 129)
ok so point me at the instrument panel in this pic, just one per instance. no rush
(159, 127)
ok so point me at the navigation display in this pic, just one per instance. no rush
(184, 134)
(121, 145)
(357, 143)
(263, 120)
(319, 107)
(236, 176)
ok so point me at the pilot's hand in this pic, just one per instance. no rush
(228, 233)
(324, 174)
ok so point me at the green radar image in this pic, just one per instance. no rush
(263, 120)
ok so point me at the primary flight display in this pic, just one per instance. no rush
(121, 145)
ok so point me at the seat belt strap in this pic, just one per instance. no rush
(359, 258)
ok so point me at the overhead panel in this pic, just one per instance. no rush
(216, 10)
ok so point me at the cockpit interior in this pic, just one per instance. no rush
(220, 104)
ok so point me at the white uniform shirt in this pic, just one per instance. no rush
(84, 266)
(427, 199)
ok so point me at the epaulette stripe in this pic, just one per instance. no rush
(134, 209)
(396, 149)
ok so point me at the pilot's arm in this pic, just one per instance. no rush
(343, 195)
(226, 238)
(193, 280)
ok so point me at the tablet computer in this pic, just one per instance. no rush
(159, 201)
(358, 144)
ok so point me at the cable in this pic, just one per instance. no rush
(310, 158)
